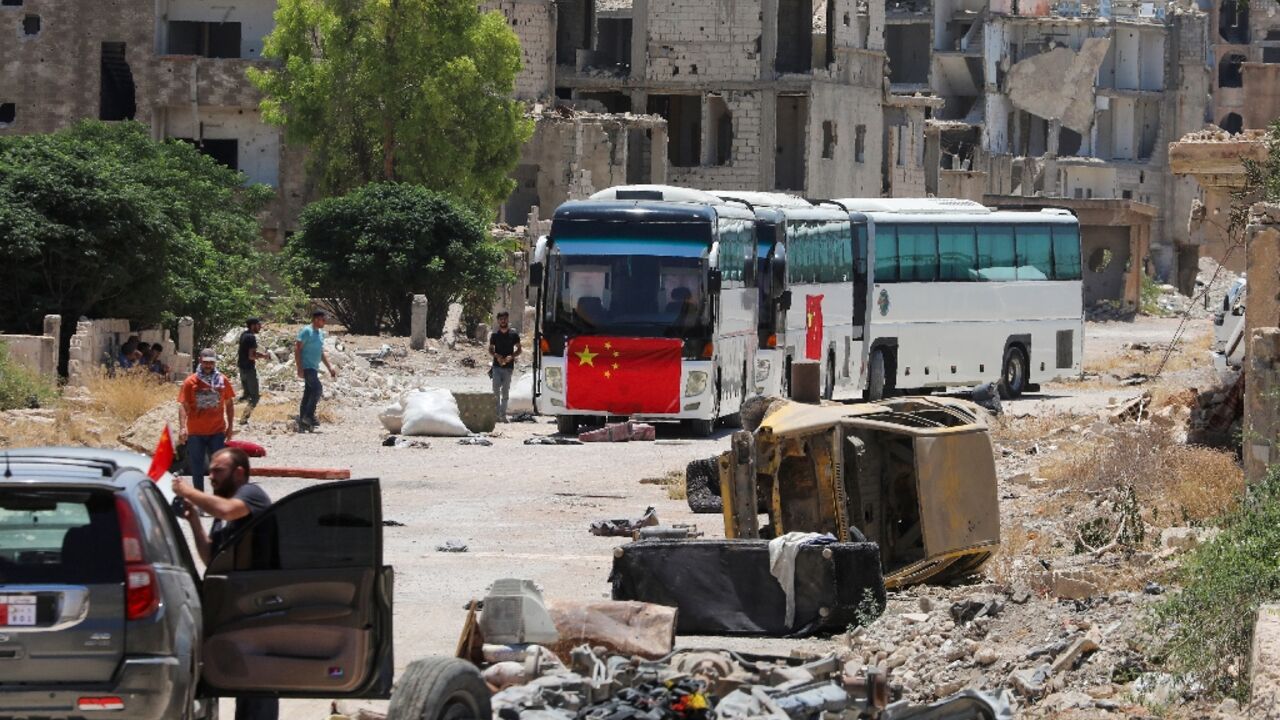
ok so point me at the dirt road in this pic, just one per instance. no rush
(524, 510)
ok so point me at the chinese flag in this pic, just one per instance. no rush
(623, 376)
(813, 327)
(162, 458)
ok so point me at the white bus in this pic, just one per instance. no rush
(646, 308)
(959, 294)
(811, 305)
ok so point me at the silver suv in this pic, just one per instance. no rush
(103, 613)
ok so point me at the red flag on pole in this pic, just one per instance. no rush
(162, 458)
(813, 327)
(623, 376)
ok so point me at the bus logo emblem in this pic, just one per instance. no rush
(883, 302)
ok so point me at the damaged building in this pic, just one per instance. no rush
(778, 95)
(176, 65)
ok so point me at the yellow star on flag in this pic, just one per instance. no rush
(608, 346)
(808, 321)
(615, 366)
(607, 374)
(617, 355)
(586, 357)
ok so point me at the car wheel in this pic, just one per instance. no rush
(875, 376)
(440, 688)
(702, 486)
(1013, 373)
(566, 425)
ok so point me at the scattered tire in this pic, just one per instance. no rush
(702, 486)
(1013, 373)
(440, 688)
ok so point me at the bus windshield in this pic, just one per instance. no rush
(631, 295)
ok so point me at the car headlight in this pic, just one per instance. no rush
(555, 378)
(762, 370)
(696, 384)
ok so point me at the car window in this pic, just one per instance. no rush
(62, 536)
(154, 528)
(178, 548)
(331, 526)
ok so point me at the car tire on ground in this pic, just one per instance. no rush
(440, 688)
(567, 425)
(1013, 373)
(702, 486)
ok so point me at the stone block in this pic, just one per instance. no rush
(477, 410)
(418, 323)
(1264, 663)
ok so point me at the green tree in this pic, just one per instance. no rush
(398, 90)
(369, 251)
(100, 220)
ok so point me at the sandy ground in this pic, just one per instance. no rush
(524, 510)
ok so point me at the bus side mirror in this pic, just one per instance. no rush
(749, 271)
(713, 281)
(778, 271)
(535, 274)
(784, 300)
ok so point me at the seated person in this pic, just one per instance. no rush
(156, 366)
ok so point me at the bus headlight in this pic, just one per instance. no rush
(696, 384)
(555, 378)
(762, 370)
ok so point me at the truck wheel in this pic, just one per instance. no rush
(702, 428)
(566, 425)
(875, 376)
(1013, 373)
(702, 486)
(440, 688)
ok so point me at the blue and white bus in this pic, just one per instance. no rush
(663, 269)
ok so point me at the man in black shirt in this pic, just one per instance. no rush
(504, 346)
(247, 361)
(234, 503)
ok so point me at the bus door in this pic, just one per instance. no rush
(859, 278)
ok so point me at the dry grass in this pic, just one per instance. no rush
(1175, 484)
(1191, 353)
(673, 481)
(285, 411)
(106, 408)
(1019, 545)
(1012, 430)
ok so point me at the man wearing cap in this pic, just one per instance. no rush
(206, 414)
(247, 358)
(308, 354)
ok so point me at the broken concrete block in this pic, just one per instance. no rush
(986, 656)
(1075, 651)
(1264, 660)
(1031, 683)
(418, 323)
(1068, 584)
(916, 617)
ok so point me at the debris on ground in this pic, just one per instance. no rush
(551, 440)
(476, 440)
(624, 527)
(452, 546)
(620, 432)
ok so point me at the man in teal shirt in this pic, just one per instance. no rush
(308, 354)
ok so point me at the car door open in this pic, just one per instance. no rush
(298, 603)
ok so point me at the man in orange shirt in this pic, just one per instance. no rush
(206, 414)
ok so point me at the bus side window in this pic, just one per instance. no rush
(996, 256)
(886, 250)
(957, 253)
(1035, 252)
(1066, 252)
(917, 253)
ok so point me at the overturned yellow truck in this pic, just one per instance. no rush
(916, 476)
(905, 488)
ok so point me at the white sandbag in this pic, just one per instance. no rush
(392, 417)
(431, 411)
(521, 398)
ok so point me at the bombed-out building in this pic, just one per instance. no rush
(176, 65)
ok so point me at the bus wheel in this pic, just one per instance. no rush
(566, 425)
(829, 388)
(875, 376)
(702, 428)
(1013, 374)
